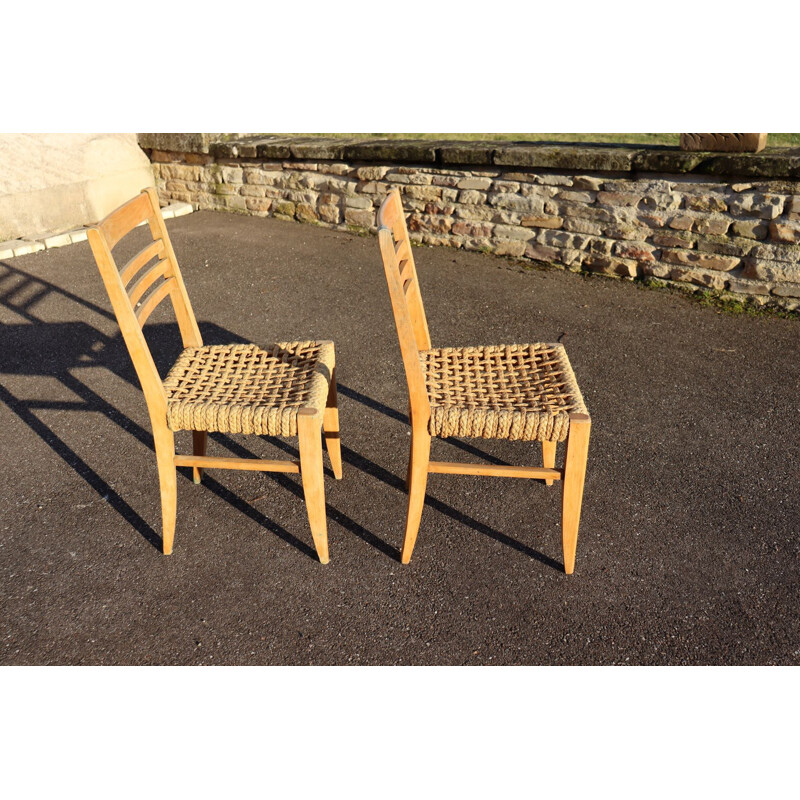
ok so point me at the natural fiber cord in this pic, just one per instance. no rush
(518, 391)
(246, 389)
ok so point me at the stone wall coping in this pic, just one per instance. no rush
(775, 162)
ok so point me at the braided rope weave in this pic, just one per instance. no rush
(518, 391)
(242, 388)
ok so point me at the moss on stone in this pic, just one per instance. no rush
(723, 302)
(358, 230)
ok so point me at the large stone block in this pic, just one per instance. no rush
(757, 269)
(713, 280)
(705, 202)
(577, 157)
(541, 221)
(716, 226)
(53, 182)
(479, 229)
(391, 151)
(515, 202)
(541, 252)
(178, 142)
(744, 286)
(762, 206)
(788, 231)
(362, 218)
(635, 250)
(475, 183)
(512, 232)
(578, 225)
(724, 142)
(608, 265)
(703, 260)
(669, 239)
(619, 198)
(509, 247)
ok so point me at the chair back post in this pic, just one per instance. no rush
(406, 299)
(102, 238)
(187, 323)
(143, 363)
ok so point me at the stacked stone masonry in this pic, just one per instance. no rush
(740, 234)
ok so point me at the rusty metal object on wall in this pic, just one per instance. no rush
(724, 142)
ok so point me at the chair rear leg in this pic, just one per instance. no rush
(309, 434)
(549, 458)
(417, 482)
(574, 475)
(330, 427)
(164, 441)
(410, 453)
(199, 440)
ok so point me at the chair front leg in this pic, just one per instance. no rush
(417, 483)
(330, 427)
(199, 440)
(574, 475)
(309, 433)
(164, 441)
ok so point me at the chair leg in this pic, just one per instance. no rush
(164, 441)
(410, 454)
(410, 462)
(417, 482)
(308, 425)
(549, 458)
(199, 439)
(330, 427)
(574, 475)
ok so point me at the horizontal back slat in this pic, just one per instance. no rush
(137, 292)
(402, 250)
(149, 305)
(140, 259)
(125, 219)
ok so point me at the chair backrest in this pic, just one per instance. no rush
(404, 291)
(135, 292)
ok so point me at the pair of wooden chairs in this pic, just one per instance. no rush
(518, 392)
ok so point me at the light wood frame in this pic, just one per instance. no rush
(147, 291)
(412, 331)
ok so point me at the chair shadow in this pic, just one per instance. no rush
(339, 517)
(35, 347)
(371, 468)
(54, 349)
(71, 458)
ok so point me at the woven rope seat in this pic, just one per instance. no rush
(520, 392)
(243, 388)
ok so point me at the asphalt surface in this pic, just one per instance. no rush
(688, 550)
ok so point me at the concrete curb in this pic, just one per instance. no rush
(22, 247)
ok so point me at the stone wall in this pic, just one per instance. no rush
(722, 222)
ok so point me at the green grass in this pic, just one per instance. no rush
(672, 139)
(722, 302)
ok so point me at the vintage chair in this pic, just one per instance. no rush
(284, 389)
(522, 392)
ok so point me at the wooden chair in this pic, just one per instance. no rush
(284, 389)
(519, 392)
